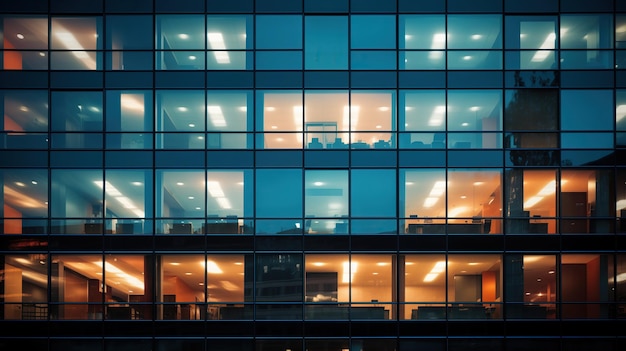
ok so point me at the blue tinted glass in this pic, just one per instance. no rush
(129, 32)
(422, 32)
(373, 60)
(373, 32)
(279, 60)
(373, 193)
(279, 193)
(278, 32)
(76, 111)
(587, 110)
(326, 42)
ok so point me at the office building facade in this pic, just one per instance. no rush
(319, 175)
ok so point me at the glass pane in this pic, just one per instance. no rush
(474, 286)
(25, 198)
(422, 60)
(373, 60)
(371, 111)
(587, 32)
(577, 106)
(326, 116)
(326, 196)
(127, 278)
(78, 34)
(24, 111)
(373, 193)
(76, 111)
(279, 278)
(129, 110)
(279, 193)
(77, 194)
(423, 110)
(326, 42)
(585, 298)
(473, 194)
(422, 198)
(25, 287)
(179, 194)
(229, 111)
(474, 32)
(475, 110)
(229, 195)
(531, 32)
(373, 32)
(530, 290)
(129, 32)
(422, 32)
(23, 33)
(180, 32)
(620, 110)
(474, 60)
(278, 32)
(280, 111)
(424, 284)
(180, 111)
(532, 211)
(587, 59)
(78, 281)
(229, 32)
(128, 189)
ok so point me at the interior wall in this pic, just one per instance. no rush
(14, 224)
(12, 292)
(12, 59)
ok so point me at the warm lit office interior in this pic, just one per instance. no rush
(310, 286)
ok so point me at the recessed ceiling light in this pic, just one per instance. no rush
(379, 127)
(187, 273)
(476, 36)
(198, 208)
(34, 182)
(20, 36)
(383, 108)
(270, 108)
(192, 57)
(180, 183)
(136, 183)
(183, 36)
(175, 263)
(474, 108)
(464, 124)
(466, 58)
(243, 108)
(318, 183)
(20, 184)
(42, 54)
(190, 197)
(183, 109)
(24, 109)
(409, 183)
(191, 125)
(274, 127)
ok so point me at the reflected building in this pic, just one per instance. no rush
(312, 175)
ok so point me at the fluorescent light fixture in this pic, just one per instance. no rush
(126, 202)
(620, 113)
(547, 45)
(183, 36)
(224, 203)
(298, 115)
(318, 183)
(474, 108)
(216, 40)
(437, 117)
(549, 189)
(438, 43)
(467, 58)
(349, 268)
(438, 189)
(439, 268)
(457, 211)
(350, 116)
(20, 184)
(215, 189)
(216, 116)
(108, 188)
(110, 270)
(532, 201)
(71, 43)
(182, 109)
(430, 201)
(476, 36)
(211, 267)
(132, 102)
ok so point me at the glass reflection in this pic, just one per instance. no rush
(25, 286)
(80, 35)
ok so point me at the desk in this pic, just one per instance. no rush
(221, 228)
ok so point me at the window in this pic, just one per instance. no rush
(25, 44)
(75, 41)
